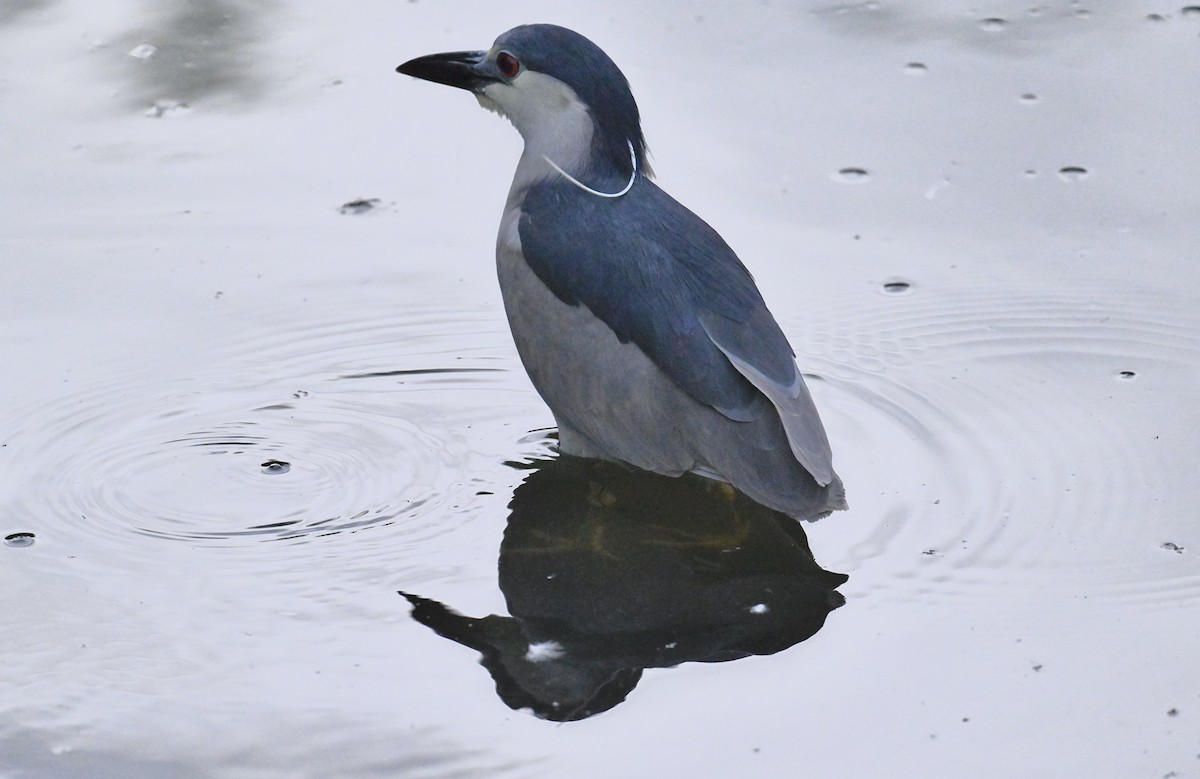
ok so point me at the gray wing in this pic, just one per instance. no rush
(663, 279)
(801, 422)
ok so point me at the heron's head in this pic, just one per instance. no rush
(565, 96)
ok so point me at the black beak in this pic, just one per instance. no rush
(462, 69)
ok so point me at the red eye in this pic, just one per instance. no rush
(508, 64)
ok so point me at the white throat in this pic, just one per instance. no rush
(552, 120)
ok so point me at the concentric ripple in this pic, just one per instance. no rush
(996, 442)
(342, 425)
(1010, 441)
(337, 453)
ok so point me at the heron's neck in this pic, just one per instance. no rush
(567, 142)
(552, 120)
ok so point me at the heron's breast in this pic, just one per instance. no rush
(608, 390)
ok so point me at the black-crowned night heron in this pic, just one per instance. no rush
(636, 322)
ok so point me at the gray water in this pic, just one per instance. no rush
(239, 414)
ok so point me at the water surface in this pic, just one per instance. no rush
(258, 381)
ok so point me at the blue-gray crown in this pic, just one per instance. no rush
(585, 68)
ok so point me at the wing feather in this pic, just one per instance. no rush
(792, 401)
(663, 279)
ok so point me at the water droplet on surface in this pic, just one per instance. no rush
(363, 205)
(852, 176)
(1031, 173)
(143, 51)
(916, 69)
(896, 287)
(275, 467)
(993, 24)
(1072, 173)
(167, 108)
(19, 539)
(1029, 98)
(1155, 18)
(543, 651)
(936, 188)
(1126, 375)
(1190, 10)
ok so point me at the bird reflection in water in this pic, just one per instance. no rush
(607, 570)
